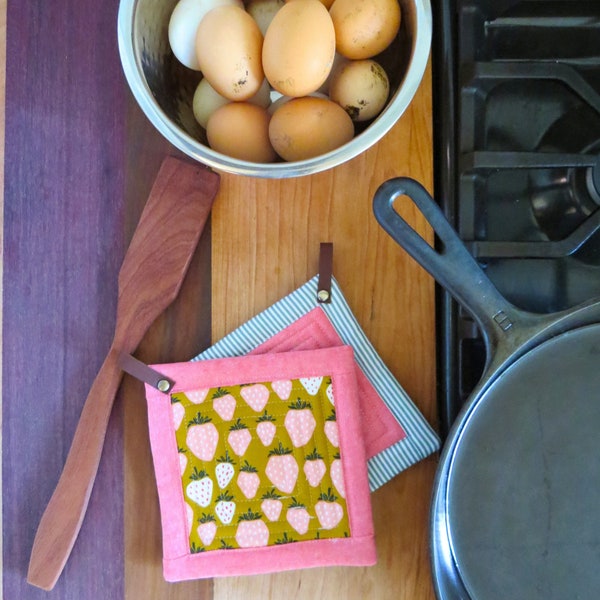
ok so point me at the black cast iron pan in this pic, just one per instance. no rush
(516, 501)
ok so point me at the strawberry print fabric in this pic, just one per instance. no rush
(260, 465)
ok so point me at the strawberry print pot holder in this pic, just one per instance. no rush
(260, 464)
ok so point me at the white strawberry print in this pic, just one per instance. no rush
(248, 480)
(329, 392)
(189, 514)
(183, 460)
(224, 470)
(282, 469)
(266, 428)
(331, 430)
(225, 507)
(178, 412)
(314, 468)
(329, 512)
(297, 516)
(224, 404)
(256, 396)
(336, 473)
(202, 437)
(200, 489)
(251, 531)
(282, 387)
(271, 505)
(197, 396)
(300, 422)
(207, 529)
(239, 437)
(311, 384)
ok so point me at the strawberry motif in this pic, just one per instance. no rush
(314, 468)
(284, 539)
(224, 470)
(178, 412)
(225, 507)
(197, 396)
(248, 480)
(331, 430)
(271, 505)
(329, 392)
(255, 395)
(300, 422)
(207, 529)
(239, 437)
(224, 404)
(265, 428)
(202, 437)
(337, 475)
(251, 531)
(329, 512)
(283, 388)
(183, 460)
(200, 489)
(282, 469)
(297, 516)
(311, 384)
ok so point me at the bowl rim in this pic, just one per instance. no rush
(278, 170)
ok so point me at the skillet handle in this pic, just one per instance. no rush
(452, 266)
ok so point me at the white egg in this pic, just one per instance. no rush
(184, 21)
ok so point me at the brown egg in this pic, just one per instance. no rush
(306, 127)
(364, 28)
(299, 47)
(228, 47)
(241, 130)
(360, 87)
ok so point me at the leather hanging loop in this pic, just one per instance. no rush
(325, 273)
(136, 368)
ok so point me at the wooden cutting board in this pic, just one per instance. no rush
(79, 161)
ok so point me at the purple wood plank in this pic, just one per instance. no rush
(66, 106)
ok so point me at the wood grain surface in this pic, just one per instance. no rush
(79, 161)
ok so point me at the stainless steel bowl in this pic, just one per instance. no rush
(164, 88)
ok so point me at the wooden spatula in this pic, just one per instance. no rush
(149, 280)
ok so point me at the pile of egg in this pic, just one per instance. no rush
(314, 58)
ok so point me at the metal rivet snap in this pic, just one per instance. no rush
(323, 295)
(162, 385)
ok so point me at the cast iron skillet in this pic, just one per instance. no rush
(516, 501)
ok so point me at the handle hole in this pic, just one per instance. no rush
(406, 208)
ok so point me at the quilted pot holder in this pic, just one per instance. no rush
(260, 464)
(396, 435)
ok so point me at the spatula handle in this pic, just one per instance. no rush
(64, 514)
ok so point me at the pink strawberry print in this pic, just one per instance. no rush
(178, 412)
(266, 428)
(251, 531)
(202, 437)
(256, 396)
(207, 529)
(300, 422)
(336, 473)
(189, 517)
(224, 404)
(282, 469)
(197, 396)
(311, 384)
(282, 387)
(248, 480)
(329, 392)
(297, 516)
(183, 460)
(224, 470)
(239, 437)
(225, 507)
(331, 430)
(200, 488)
(329, 512)
(314, 468)
(271, 505)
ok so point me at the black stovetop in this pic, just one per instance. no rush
(517, 160)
